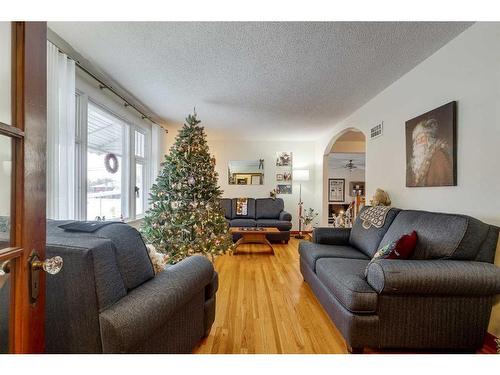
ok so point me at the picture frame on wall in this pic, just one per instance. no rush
(336, 189)
(431, 148)
(284, 159)
(356, 188)
(283, 189)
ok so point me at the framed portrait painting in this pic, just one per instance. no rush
(431, 148)
(336, 189)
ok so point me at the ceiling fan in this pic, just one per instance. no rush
(350, 166)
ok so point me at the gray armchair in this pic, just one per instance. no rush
(106, 299)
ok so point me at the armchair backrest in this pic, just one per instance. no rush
(131, 253)
(99, 269)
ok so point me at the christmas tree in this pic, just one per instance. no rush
(186, 217)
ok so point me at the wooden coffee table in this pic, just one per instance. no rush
(253, 236)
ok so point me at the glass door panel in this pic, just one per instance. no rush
(5, 73)
(5, 189)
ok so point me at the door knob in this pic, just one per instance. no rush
(51, 265)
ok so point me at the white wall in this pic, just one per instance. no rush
(304, 155)
(466, 70)
(303, 158)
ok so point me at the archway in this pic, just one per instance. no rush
(344, 176)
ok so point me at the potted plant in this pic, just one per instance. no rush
(308, 218)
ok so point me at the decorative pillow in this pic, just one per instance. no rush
(402, 248)
(159, 260)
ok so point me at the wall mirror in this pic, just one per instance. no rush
(246, 172)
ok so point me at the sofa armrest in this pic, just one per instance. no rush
(331, 236)
(285, 216)
(445, 277)
(145, 309)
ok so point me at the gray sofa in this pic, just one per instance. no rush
(106, 299)
(439, 299)
(261, 212)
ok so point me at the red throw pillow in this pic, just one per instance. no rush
(404, 247)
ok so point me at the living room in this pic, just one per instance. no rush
(251, 187)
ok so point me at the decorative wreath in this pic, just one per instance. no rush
(111, 163)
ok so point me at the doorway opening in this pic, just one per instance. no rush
(344, 178)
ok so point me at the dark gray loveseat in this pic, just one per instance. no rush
(261, 212)
(106, 299)
(439, 299)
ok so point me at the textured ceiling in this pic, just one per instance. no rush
(289, 80)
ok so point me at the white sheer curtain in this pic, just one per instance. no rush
(60, 135)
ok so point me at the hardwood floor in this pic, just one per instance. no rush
(265, 307)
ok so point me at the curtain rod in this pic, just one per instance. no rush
(103, 86)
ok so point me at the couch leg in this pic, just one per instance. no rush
(352, 350)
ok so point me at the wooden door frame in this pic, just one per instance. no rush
(28, 194)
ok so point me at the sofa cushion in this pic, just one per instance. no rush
(131, 254)
(368, 240)
(439, 235)
(270, 223)
(250, 209)
(226, 205)
(345, 279)
(268, 208)
(243, 223)
(310, 253)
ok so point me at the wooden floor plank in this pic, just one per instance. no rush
(265, 307)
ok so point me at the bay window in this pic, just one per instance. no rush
(106, 170)
(113, 163)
